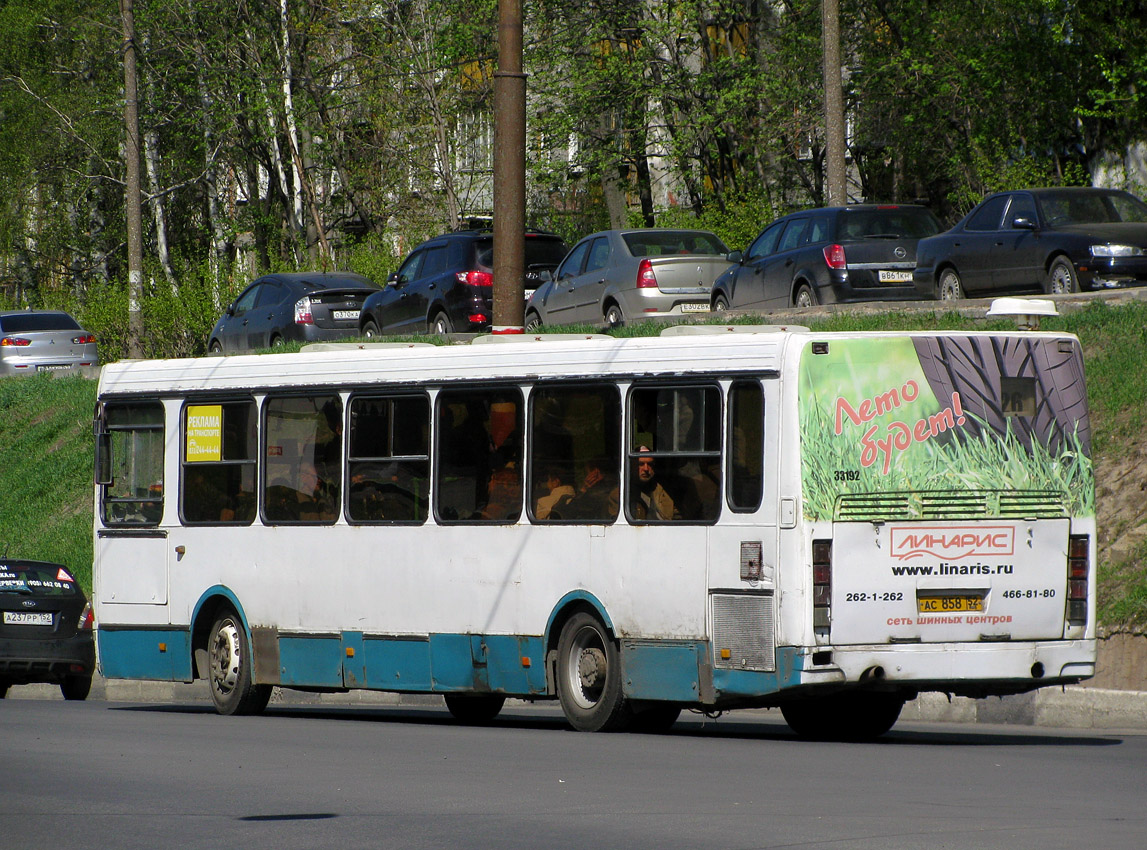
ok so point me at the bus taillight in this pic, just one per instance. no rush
(821, 583)
(1078, 570)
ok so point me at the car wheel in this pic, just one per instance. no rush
(805, 297)
(720, 304)
(232, 689)
(589, 676)
(370, 329)
(441, 325)
(533, 322)
(276, 341)
(1061, 279)
(474, 709)
(215, 347)
(949, 288)
(76, 687)
(614, 318)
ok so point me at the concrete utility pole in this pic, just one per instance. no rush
(509, 173)
(833, 105)
(132, 200)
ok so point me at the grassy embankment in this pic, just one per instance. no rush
(46, 450)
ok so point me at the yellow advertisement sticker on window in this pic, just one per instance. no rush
(204, 433)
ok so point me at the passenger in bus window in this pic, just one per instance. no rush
(651, 502)
(560, 493)
(505, 501)
(598, 495)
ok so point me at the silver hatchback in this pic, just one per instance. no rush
(43, 341)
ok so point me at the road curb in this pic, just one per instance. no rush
(1068, 707)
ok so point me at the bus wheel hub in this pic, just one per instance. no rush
(591, 668)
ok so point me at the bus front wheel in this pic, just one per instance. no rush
(843, 717)
(233, 689)
(589, 676)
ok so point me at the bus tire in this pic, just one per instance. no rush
(589, 676)
(655, 720)
(474, 709)
(232, 688)
(76, 687)
(843, 717)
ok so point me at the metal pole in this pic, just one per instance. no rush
(509, 172)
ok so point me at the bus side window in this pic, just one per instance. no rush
(574, 454)
(388, 461)
(479, 448)
(746, 457)
(135, 494)
(302, 466)
(220, 451)
(675, 454)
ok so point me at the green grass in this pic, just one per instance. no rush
(46, 456)
(46, 439)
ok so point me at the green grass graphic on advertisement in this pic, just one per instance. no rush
(880, 383)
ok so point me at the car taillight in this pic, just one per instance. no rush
(475, 278)
(821, 583)
(1078, 571)
(303, 314)
(646, 278)
(15, 340)
(834, 256)
(86, 618)
(83, 339)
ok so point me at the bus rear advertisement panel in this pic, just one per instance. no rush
(828, 523)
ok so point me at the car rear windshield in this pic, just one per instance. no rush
(542, 252)
(26, 322)
(887, 223)
(39, 579)
(673, 242)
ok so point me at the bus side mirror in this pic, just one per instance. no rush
(103, 471)
(104, 458)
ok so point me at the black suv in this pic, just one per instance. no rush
(828, 255)
(446, 284)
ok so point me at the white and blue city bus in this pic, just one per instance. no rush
(829, 523)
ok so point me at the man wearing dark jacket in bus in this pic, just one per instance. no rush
(652, 503)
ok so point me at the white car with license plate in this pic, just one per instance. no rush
(34, 341)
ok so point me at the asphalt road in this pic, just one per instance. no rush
(119, 775)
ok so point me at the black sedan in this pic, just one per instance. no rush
(45, 628)
(862, 252)
(296, 307)
(1033, 240)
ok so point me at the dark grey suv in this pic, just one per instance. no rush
(446, 284)
(829, 255)
(294, 307)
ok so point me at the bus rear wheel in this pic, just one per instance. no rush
(843, 717)
(589, 676)
(233, 689)
(474, 709)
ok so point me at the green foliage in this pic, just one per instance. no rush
(46, 451)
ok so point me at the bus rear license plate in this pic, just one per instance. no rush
(345, 315)
(948, 604)
(27, 618)
(694, 308)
